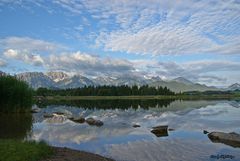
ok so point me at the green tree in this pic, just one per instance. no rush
(15, 95)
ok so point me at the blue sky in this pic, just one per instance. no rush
(199, 40)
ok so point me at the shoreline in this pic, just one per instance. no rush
(66, 154)
(181, 97)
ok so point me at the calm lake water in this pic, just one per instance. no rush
(118, 139)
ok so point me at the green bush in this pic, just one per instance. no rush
(15, 95)
(15, 150)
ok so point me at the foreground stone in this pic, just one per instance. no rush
(160, 131)
(65, 154)
(92, 121)
(231, 139)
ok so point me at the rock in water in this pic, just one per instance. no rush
(98, 123)
(56, 119)
(92, 121)
(78, 120)
(231, 139)
(47, 115)
(64, 112)
(136, 125)
(160, 131)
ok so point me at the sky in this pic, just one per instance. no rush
(195, 39)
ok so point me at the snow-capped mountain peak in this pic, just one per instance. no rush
(57, 76)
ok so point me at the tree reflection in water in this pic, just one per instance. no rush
(15, 126)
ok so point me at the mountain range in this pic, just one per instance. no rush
(61, 80)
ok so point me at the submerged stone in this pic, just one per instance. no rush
(92, 121)
(160, 131)
(56, 119)
(98, 123)
(78, 120)
(231, 139)
(47, 115)
(136, 125)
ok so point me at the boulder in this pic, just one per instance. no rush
(78, 120)
(136, 125)
(47, 115)
(59, 113)
(92, 121)
(98, 123)
(231, 139)
(64, 112)
(56, 119)
(160, 131)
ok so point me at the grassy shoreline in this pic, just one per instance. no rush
(17, 150)
(183, 97)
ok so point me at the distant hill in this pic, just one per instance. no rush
(62, 80)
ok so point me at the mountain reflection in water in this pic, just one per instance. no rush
(118, 139)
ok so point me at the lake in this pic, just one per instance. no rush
(118, 139)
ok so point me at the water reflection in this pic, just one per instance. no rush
(118, 139)
(15, 126)
(111, 104)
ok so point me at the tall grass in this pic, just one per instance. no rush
(15, 150)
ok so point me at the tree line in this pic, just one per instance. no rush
(123, 90)
(15, 95)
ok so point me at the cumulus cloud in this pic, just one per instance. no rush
(196, 71)
(88, 64)
(24, 56)
(29, 44)
(204, 71)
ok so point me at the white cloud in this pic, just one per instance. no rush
(205, 71)
(88, 64)
(160, 27)
(24, 56)
(30, 44)
(159, 40)
(2, 63)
